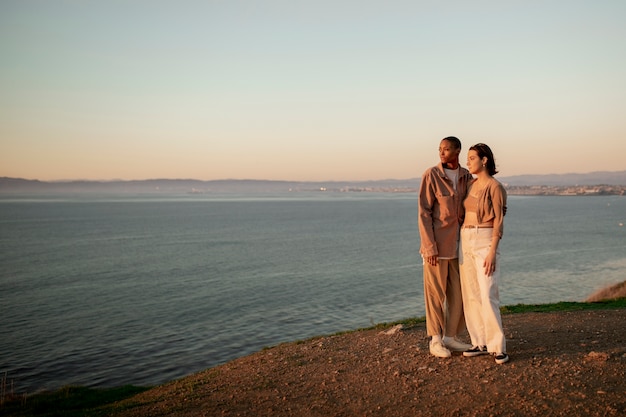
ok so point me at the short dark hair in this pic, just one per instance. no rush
(485, 151)
(456, 142)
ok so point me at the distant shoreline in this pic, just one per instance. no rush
(593, 184)
(566, 191)
(542, 190)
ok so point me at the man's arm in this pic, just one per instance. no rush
(426, 201)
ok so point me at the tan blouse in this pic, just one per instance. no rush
(471, 204)
(486, 206)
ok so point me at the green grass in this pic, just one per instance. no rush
(82, 402)
(70, 401)
(564, 306)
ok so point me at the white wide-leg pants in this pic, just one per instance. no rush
(481, 298)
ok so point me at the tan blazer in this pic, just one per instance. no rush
(440, 211)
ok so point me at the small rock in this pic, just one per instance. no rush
(598, 356)
(395, 329)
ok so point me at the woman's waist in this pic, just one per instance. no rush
(488, 225)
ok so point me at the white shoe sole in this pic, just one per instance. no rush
(501, 361)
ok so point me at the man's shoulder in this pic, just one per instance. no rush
(434, 170)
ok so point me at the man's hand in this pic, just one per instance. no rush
(432, 260)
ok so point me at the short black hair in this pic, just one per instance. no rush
(454, 141)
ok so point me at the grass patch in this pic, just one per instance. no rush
(517, 308)
(70, 401)
(411, 322)
(564, 306)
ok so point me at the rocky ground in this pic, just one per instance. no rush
(562, 364)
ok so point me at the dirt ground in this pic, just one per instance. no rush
(562, 364)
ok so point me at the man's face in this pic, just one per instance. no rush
(448, 153)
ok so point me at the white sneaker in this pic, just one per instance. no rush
(502, 358)
(454, 345)
(439, 350)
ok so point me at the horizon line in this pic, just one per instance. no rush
(282, 180)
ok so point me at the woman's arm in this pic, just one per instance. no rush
(497, 196)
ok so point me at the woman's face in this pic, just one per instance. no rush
(474, 162)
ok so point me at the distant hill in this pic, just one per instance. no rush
(592, 178)
(191, 186)
(17, 185)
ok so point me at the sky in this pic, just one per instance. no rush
(307, 90)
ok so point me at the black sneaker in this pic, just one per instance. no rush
(502, 358)
(476, 351)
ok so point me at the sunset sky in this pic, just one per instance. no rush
(307, 90)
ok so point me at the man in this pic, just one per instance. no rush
(441, 195)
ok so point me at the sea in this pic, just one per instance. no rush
(104, 291)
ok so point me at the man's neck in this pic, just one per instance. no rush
(451, 165)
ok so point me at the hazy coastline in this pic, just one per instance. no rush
(594, 183)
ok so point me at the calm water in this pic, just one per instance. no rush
(105, 292)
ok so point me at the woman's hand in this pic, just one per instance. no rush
(490, 263)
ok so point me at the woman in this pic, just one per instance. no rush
(479, 257)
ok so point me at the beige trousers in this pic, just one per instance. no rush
(443, 298)
(481, 296)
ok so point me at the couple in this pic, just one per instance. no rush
(458, 276)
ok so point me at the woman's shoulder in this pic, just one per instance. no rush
(496, 186)
(495, 183)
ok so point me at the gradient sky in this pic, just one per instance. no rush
(307, 90)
